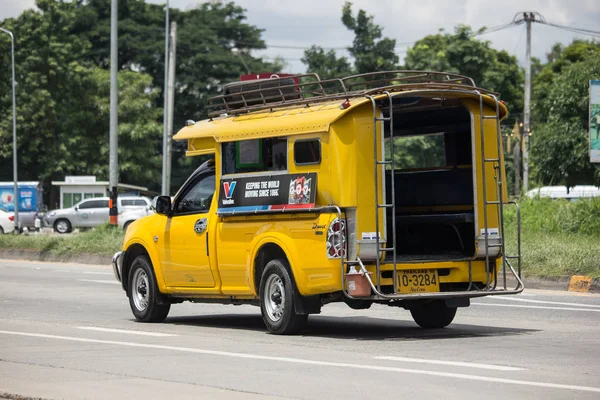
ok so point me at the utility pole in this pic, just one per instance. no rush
(527, 18)
(114, 121)
(527, 108)
(164, 187)
(171, 108)
(516, 150)
(14, 116)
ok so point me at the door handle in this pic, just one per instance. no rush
(200, 225)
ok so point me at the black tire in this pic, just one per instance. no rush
(1, 230)
(433, 314)
(62, 225)
(126, 225)
(143, 292)
(277, 292)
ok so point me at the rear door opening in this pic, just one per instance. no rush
(433, 176)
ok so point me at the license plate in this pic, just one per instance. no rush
(418, 281)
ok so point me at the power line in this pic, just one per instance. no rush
(581, 31)
(398, 46)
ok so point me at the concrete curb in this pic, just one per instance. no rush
(34, 255)
(576, 283)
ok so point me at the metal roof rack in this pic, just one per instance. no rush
(246, 96)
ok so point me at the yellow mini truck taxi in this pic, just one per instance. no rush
(380, 188)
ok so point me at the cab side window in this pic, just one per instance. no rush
(198, 196)
(94, 204)
(256, 155)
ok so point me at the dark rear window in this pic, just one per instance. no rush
(307, 151)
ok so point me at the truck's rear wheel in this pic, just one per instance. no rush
(277, 300)
(433, 314)
(143, 292)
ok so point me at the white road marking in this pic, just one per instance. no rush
(99, 281)
(128, 332)
(545, 302)
(313, 362)
(537, 307)
(97, 273)
(454, 363)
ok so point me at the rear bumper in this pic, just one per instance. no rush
(117, 264)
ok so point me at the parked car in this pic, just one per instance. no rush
(7, 221)
(90, 212)
(561, 192)
(127, 217)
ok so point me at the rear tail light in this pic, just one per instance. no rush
(11, 218)
(336, 239)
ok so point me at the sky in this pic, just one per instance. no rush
(302, 23)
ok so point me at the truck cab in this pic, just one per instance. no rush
(377, 188)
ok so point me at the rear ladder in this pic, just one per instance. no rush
(382, 205)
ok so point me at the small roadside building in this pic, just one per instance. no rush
(76, 188)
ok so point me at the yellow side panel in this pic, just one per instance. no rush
(302, 237)
(353, 143)
(201, 146)
(493, 171)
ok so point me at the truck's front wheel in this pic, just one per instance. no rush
(433, 314)
(143, 292)
(277, 300)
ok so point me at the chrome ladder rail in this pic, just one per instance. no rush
(382, 204)
(380, 164)
(499, 202)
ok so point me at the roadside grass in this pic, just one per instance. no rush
(559, 238)
(104, 240)
(556, 254)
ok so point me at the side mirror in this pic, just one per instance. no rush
(162, 205)
(76, 208)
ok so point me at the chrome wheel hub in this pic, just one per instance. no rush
(274, 300)
(62, 226)
(139, 289)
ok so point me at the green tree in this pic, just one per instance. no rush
(559, 59)
(206, 36)
(371, 51)
(326, 64)
(559, 145)
(62, 61)
(462, 53)
(52, 84)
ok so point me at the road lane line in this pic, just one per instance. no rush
(97, 273)
(312, 362)
(536, 307)
(454, 363)
(114, 282)
(546, 302)
(125, 331)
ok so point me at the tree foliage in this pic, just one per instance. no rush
(370, 49)
(62, 61)
(462, 53)
(560, 142)
(325, 64)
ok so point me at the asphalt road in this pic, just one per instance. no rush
(66, 331)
